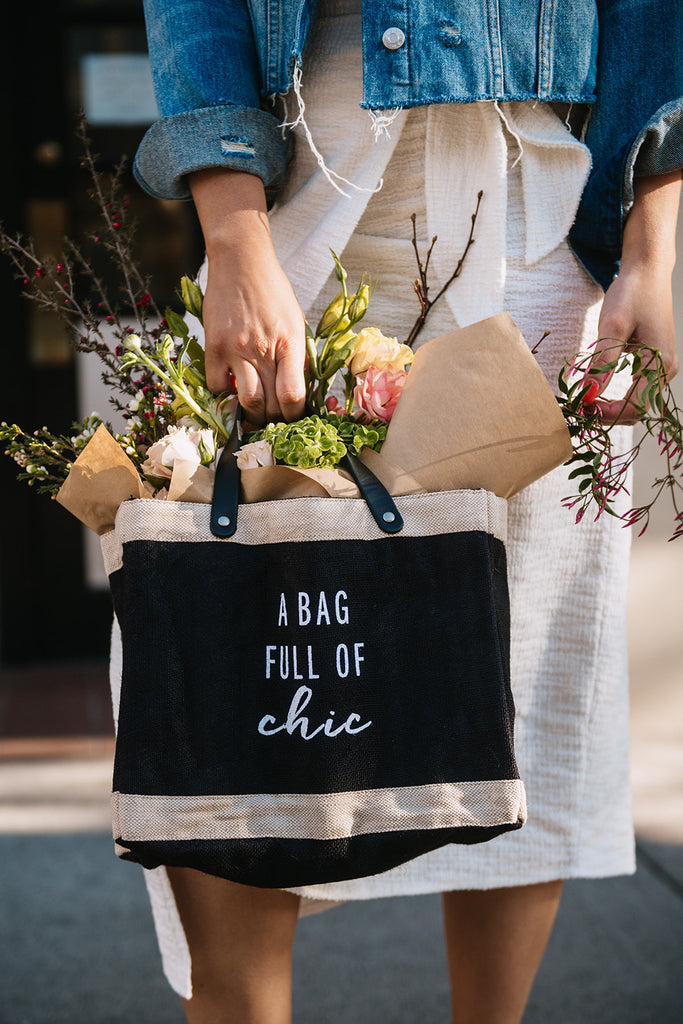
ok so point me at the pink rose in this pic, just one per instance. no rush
(377, 392)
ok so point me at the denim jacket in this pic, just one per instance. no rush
(218, 66)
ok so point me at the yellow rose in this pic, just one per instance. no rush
(372, 348)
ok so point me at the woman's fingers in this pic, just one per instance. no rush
(624, 412)
(614, 332)
(259, 340)
(270, 385)
(636, 318)
(628, 408)
(250, 392)
(289, 383)
(267, 372)
(220, 375)
(267, 390)
(606, 350)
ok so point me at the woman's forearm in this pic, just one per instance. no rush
(650, 229)
(229, 204)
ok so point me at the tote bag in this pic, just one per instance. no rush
(311, 698)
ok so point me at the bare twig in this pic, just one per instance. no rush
(112, 209)
(540, 342)
(421, 284)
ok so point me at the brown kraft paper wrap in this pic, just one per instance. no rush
(268, 483)
(477, 411)
(100, 479)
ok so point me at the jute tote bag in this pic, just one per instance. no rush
(310, 698)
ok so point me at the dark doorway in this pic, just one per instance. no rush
(63, 57)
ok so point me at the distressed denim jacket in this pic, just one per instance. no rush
(218, 66)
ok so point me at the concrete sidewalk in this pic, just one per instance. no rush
(76, 936)
(78, 948)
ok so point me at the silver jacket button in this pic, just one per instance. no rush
(393, 38)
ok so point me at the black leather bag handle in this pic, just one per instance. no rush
(377, 497)
(227, 485)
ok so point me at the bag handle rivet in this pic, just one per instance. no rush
(388, 517)
(223, 521)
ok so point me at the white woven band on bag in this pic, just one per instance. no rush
(139, 817)
(292, 520)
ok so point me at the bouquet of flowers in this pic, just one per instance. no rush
(171, 414)
(155, 370)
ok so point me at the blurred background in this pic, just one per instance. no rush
(58, 877)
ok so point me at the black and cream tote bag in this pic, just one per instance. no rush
(312, 698)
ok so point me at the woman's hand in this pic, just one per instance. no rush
(253, 323)
(637, 309)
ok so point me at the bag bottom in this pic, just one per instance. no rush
(289, 863)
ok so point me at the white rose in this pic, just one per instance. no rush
(204, 438)
(178, 443)
(255, 454)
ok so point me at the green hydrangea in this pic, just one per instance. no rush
(357, 435)
(318, 441)
(309, 443)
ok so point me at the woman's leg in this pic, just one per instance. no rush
(495, 940)
(240, 941)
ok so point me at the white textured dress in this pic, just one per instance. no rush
(567, 581)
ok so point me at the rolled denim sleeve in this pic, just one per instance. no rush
(206, 77)
(636, 126)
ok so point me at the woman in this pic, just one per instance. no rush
(475, 92)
